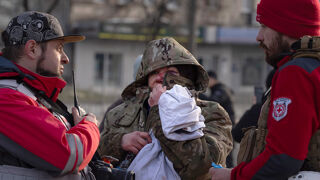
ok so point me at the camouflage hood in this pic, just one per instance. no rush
(162, 53)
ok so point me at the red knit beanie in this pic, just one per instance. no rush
(294, 18)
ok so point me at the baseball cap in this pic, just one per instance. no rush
(35, 25)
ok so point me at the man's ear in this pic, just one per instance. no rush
(32, 49)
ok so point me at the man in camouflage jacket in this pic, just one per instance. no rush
(127, 125)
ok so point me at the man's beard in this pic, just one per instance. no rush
(44, 72)
(276, 51)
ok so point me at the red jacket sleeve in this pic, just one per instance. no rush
(37, 137)
(293, 118)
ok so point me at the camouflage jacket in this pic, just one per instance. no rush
(191, 159)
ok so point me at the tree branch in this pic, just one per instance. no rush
(53, 5)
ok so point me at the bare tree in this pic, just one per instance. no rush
(156, 23)
(192, 27)
(26, 5)
(153, 18)
(52, 6)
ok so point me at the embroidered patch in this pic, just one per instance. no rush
(280, 108)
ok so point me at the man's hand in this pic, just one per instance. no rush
(77, 118)
(220, 173)
(135, 141)
(155, 94)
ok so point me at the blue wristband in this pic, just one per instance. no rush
(215, 165)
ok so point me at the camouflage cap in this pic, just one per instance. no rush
(37, 26)
(162, 53)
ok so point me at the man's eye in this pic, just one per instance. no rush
(60, 48)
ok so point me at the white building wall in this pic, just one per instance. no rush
(85, 63)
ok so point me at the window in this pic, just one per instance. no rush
(108, 68)
(122, 2)
(214, 4)
(252, 72)
(99, 67)
(248, 11)
(246, 6)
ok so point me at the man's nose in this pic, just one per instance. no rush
(64, 58)
(161, 75)
(259, 37)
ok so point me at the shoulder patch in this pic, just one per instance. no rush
(280, 108)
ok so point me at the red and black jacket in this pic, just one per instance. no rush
(293, 118)
(32, 134)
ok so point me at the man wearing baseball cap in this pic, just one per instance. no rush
(37, 139)
(287, 138)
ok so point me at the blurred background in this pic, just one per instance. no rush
(220, 33)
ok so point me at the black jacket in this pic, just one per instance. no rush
(223, 95)
(249, 118)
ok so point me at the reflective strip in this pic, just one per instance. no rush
(21, 153)
(19, 173)
(73, 153)
(76, 148)
(80, 152)
(12, 84)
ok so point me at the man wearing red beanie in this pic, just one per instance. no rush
(287, 138)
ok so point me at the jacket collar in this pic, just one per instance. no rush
(283, 61)
(51, 86)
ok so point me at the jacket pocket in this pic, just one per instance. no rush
(247, 145)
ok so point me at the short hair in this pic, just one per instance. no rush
(212, 74)
(14, 53)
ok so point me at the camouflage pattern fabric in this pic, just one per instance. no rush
(191, 159)
(128, 117)
(163, 53)
(307, 46)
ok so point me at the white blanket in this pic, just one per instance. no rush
(181, 118)
(152, 164)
